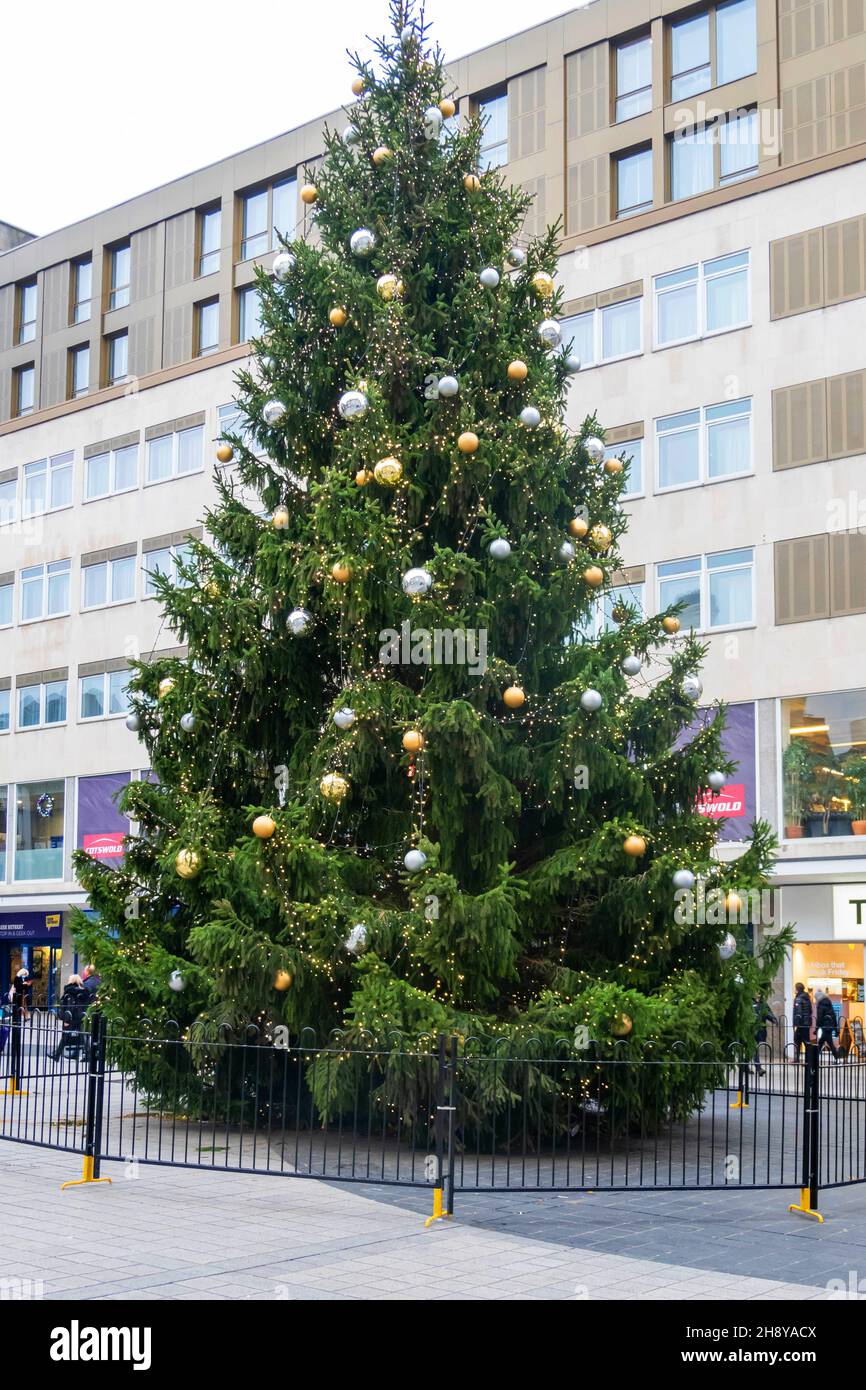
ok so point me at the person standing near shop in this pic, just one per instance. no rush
(801, 1017)
(826, 1023)
(20, 996)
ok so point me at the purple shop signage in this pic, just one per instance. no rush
(31, 926)
(737, 803)
(101, 827)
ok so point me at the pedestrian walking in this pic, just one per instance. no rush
(91, 981)
(20, 997)
(846, 1039)
(826, 1023)
(73, 1006)
(801, 1018)
(763, 1015)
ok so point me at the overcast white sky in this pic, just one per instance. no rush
(122, 99)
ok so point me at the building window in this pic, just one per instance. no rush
(114, 471)
(256, 240)
(824, 764)
(284, 211)
(268, 214)
(82, 289)
(39, 705)
(5, 720)
(209, 235)
(166, 562)
(103, 696)
(711, 156)
(693, 68)
(601, 619)
(692, 158)
(39, 830)
(607, 334)
(45, 591)
(171, 455)
(8, 501)
(27, 302)
(48, 484)
(249, 313)
(24, 390)
(120, 262)
(207, 317)
(634, 77)
(699, 446)
(699, 300)
(493, 113)
(112, 581)
(6, 596)
(739, 147)
(716, 590)
(631, 454)
(118, 358)
(634, 182)
(79, 371)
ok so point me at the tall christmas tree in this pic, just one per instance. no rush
(395, 784)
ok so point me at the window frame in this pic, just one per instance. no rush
(615, 451)
(174, 552)
(711, 13)
(487, 100)
(42, 723)
(621, 214)
(109, 567)
(24, 370)
(703, 427)
(598, 313)
(203, 257)
(8, 730)
(11, 588)
(51, 467)
(245, 292)
(14, 836)
(105, 677)
(271, 237)
(110, 343)
(75, 354)
(175, 453)
(715, 132)
(701, 282)
(22, 290)
(119, 292)
(202, 314)
(77, 304)
(703, 572)
(618, 96)
(45, 568)
(113, 489)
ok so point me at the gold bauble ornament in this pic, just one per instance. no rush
(517, 370)
(448, 108)
(382, 155)
(187, 863)
(165, 687)
(468, 442)
(341, 572)
(621, 1026)
(413, 740)
(362, 477)
(613, 465)
(594, 576)
(542, 283)
(471, 182)
(359, 87)
(600, 537)
(619, 612)
(733, 902)
(671, 625)
(388, 471)
(389, 287)
(634, 846)
(578, 527)
(280, 518)
(212, 589)
(225, 453)
(334, 786)
(283, 980)
(338, 316)
(514, 696)
(264, 827)
(309, 193)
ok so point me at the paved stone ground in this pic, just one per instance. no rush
(181, 1234)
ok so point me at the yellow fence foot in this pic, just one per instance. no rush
(13, 1091)
(438, 1213)
(739, 1103)
(86, 1176)
(804, 1207)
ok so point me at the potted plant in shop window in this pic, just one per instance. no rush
(797, 766)
(855, 771)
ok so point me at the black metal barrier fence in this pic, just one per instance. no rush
(439, 1113)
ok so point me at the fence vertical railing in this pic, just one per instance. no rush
(443, 1122)
(93, 1106)
(808, 1203)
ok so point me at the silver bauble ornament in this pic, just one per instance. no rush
(187, 722)
(530, 417)
(273, 412)
(416, 581)
(692, 688)
(716, 781)
(500, 548)
(448, 386)
(572, 363)
(415, 860)
(489, 277)
(362, 242)
(345, 717)
(284, 264)
(516, 257)
(352, 405)
(683, 878)
(433, 119)
(266, 364)
(133, 723)
(631, 665)
(595, 449)
(357, 940)
(591, 700)
(727, 946)
(351, 135)
(298, 621)
(550, 333)
(407, 33)
(176, 981)
(566, 551)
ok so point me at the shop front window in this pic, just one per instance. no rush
(39, 821)
(824, 765)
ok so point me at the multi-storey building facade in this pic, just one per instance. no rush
(708, 165)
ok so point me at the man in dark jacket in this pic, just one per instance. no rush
(92, 981)
(801, 1017)
(826, 1023)
(19, 997)
(73, 1006)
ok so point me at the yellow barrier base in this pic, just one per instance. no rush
(804, 1208)
(438, 1213)
(13, 1091)
(739, 1103)
(86, 1176)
